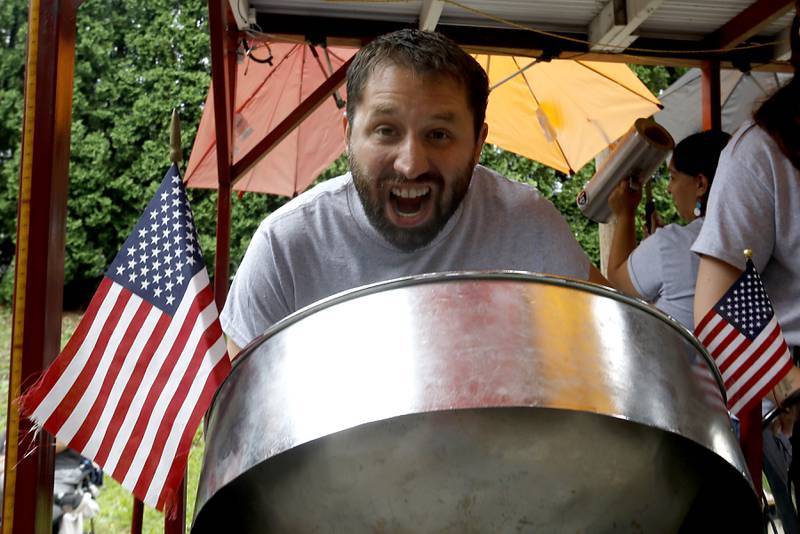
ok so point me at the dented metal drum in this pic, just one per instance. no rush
(474, 402)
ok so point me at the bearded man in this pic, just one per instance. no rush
(415, 200)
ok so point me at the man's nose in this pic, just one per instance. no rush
(412, 158)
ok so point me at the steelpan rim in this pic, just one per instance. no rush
(456, 276)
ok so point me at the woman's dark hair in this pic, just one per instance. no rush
(780, 115)
(699, 154)
(425, 53)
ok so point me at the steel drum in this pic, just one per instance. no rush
(474, 402)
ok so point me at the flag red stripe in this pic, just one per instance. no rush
(207, 339)
(733, 357)
(707, 319)
(712, 335)
(732, 335)
(89, 424)
(773, 358)
(757, 396)
(201, 300)
(76, 391)
(130, 388)
(751, 359)
(37, 393)
(215, 378)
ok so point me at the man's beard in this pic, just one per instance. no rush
(374, 191)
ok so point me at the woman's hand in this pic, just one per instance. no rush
(624, 200)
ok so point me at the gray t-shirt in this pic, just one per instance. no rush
(755, 204)
(663, 270)
(321, 243)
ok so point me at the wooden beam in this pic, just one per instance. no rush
(712, 101)
(39, 270)
(429, 14)
(749, 22)
(223, 81)
(612, 29)
(285, 127)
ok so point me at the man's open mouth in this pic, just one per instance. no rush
(409, 201)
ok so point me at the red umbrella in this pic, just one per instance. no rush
(265, 95)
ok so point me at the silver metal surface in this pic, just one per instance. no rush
(473, 402)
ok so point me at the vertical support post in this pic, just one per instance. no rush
(39, 274)
(223, 79)
(712, 98)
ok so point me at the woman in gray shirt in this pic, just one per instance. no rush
(662, 269)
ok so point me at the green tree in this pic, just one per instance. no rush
(13, 34)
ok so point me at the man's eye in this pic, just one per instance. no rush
(385, 131)
(439, 135)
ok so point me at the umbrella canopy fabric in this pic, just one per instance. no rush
(563, 112)
(740, 93)
(265, 95)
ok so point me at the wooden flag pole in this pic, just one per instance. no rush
(175, 522)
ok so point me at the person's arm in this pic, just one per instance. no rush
(233, 348)
(714, 277)
(595, 276)
(623, 202)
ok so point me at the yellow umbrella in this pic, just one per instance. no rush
(562, 112)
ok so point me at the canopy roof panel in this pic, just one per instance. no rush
(680, 32)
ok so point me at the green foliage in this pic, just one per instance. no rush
(134, 62)
(13, 35)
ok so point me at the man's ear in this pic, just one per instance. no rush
(346, 126)
(480, 141)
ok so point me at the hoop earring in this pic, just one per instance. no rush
(698, 206)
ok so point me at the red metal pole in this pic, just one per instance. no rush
(712, 100)
(39, 275)
(137, 516)
(752, 441)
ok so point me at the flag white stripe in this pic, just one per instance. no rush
(84, 405)
(712, 324)
(123, 377)
(199, 385)
(205, 318)
(717, 341)
(161, 352)
(762, 382)
(75, 367)
(732, 348)
(755, 367)
(742, 358)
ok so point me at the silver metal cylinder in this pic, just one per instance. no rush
(636, 156)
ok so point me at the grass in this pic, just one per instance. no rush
(116, 503)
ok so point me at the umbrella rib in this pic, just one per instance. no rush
(555, 140)
(730, 93)
(585, 66)
(514, 75)
(297, 128)
(272, 71)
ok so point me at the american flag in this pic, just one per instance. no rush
(745, 340)
(132, 384)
